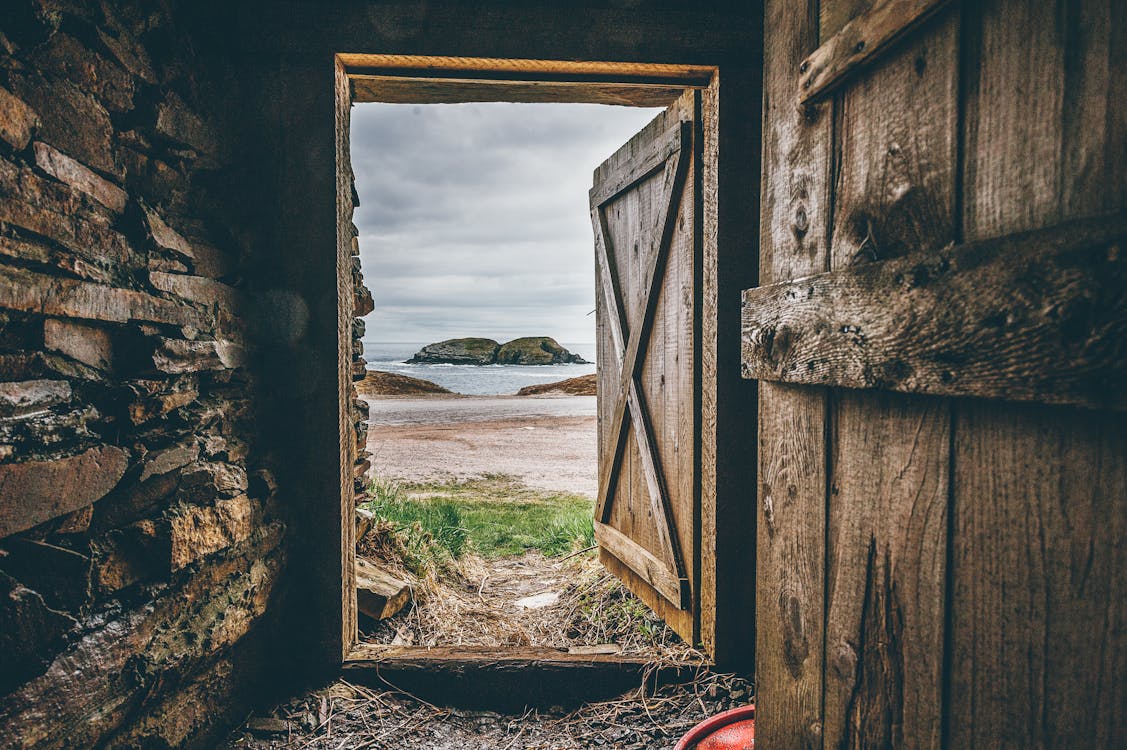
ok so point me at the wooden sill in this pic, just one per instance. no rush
(507, 679)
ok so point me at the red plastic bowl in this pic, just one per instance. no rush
(731, 730)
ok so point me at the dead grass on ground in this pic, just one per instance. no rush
(346, 715)
(471, 604)
(471, 600)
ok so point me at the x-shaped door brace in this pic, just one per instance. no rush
(629, 347)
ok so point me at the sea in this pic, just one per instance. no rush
(475, 380)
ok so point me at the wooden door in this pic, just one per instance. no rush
(647, 246)
(943, 458)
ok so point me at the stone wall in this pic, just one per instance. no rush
(139, 539)
(362, 305)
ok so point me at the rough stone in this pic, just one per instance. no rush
(89, 688)
(60, 575)
(32, 397)
(77, 522)
(157, 398)
(536, 350)
(68, 58)
(177, 356)
(379, 594)
(196, 288)
(176, 121)
(363, 302)
(132, 502)
(30, 633)
(29, 291)
(164, 461)
(55, 211)
(468, 351)
(208, 480)
(123, 557)
(41, 364)
(67, 170)
(22, 249)
(131, 55)
(210, 261)
(71, 120)
(151, 176)
(32, 492)
(88, 344)
(165, 236)
(17, 120)
(198, 532)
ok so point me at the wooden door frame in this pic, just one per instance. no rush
(428, 79)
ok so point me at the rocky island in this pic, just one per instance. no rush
(530, 350)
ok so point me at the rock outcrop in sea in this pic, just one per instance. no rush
(530, 350)
(536, 350)
(468, 351)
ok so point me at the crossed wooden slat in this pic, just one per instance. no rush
(629, 347)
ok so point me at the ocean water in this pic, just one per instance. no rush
(475, 380)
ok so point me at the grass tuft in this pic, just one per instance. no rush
(493, 516)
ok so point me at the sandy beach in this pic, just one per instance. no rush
(546, 442)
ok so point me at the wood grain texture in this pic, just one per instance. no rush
(1039, 316)
(1039, 658)
(731, 120)
(344, 525)
(684, 76)
(791, 513)
(861, 41)
(1037, 598)
(653, 571)
(511, 679)
(887, 528)
(417, 79)
(834, 14)
(393, 89)
(644, 217)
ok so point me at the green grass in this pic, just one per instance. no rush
(495, 516)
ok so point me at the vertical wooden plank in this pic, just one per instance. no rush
(635, 221)
(730, 166)
(1039, 589)
(790, 523)
(834, 14)
(1040, 493)
(345, 311)
(1012, 133)
(887, 540)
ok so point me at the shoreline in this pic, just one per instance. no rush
(547, 442)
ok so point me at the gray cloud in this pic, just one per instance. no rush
(474, 219)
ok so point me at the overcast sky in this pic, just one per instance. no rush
(474, 219)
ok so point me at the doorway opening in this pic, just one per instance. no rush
(476, 241)
(653, 233)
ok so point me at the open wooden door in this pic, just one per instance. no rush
(646, 219)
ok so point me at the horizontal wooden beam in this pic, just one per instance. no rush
(650, 160)
(415, 79)
(860, 41)
(1039, 316)
(648, 567)
(524, 69)
(506, 679)
(423, 90)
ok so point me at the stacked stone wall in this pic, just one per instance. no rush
(140, 544)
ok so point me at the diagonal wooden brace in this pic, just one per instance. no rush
(630, 403)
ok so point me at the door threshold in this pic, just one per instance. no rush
(509, 678)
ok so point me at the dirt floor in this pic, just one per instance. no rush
(529, 600)
(345, 716)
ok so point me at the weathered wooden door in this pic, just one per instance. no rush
(647, 246)
(942, 487)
